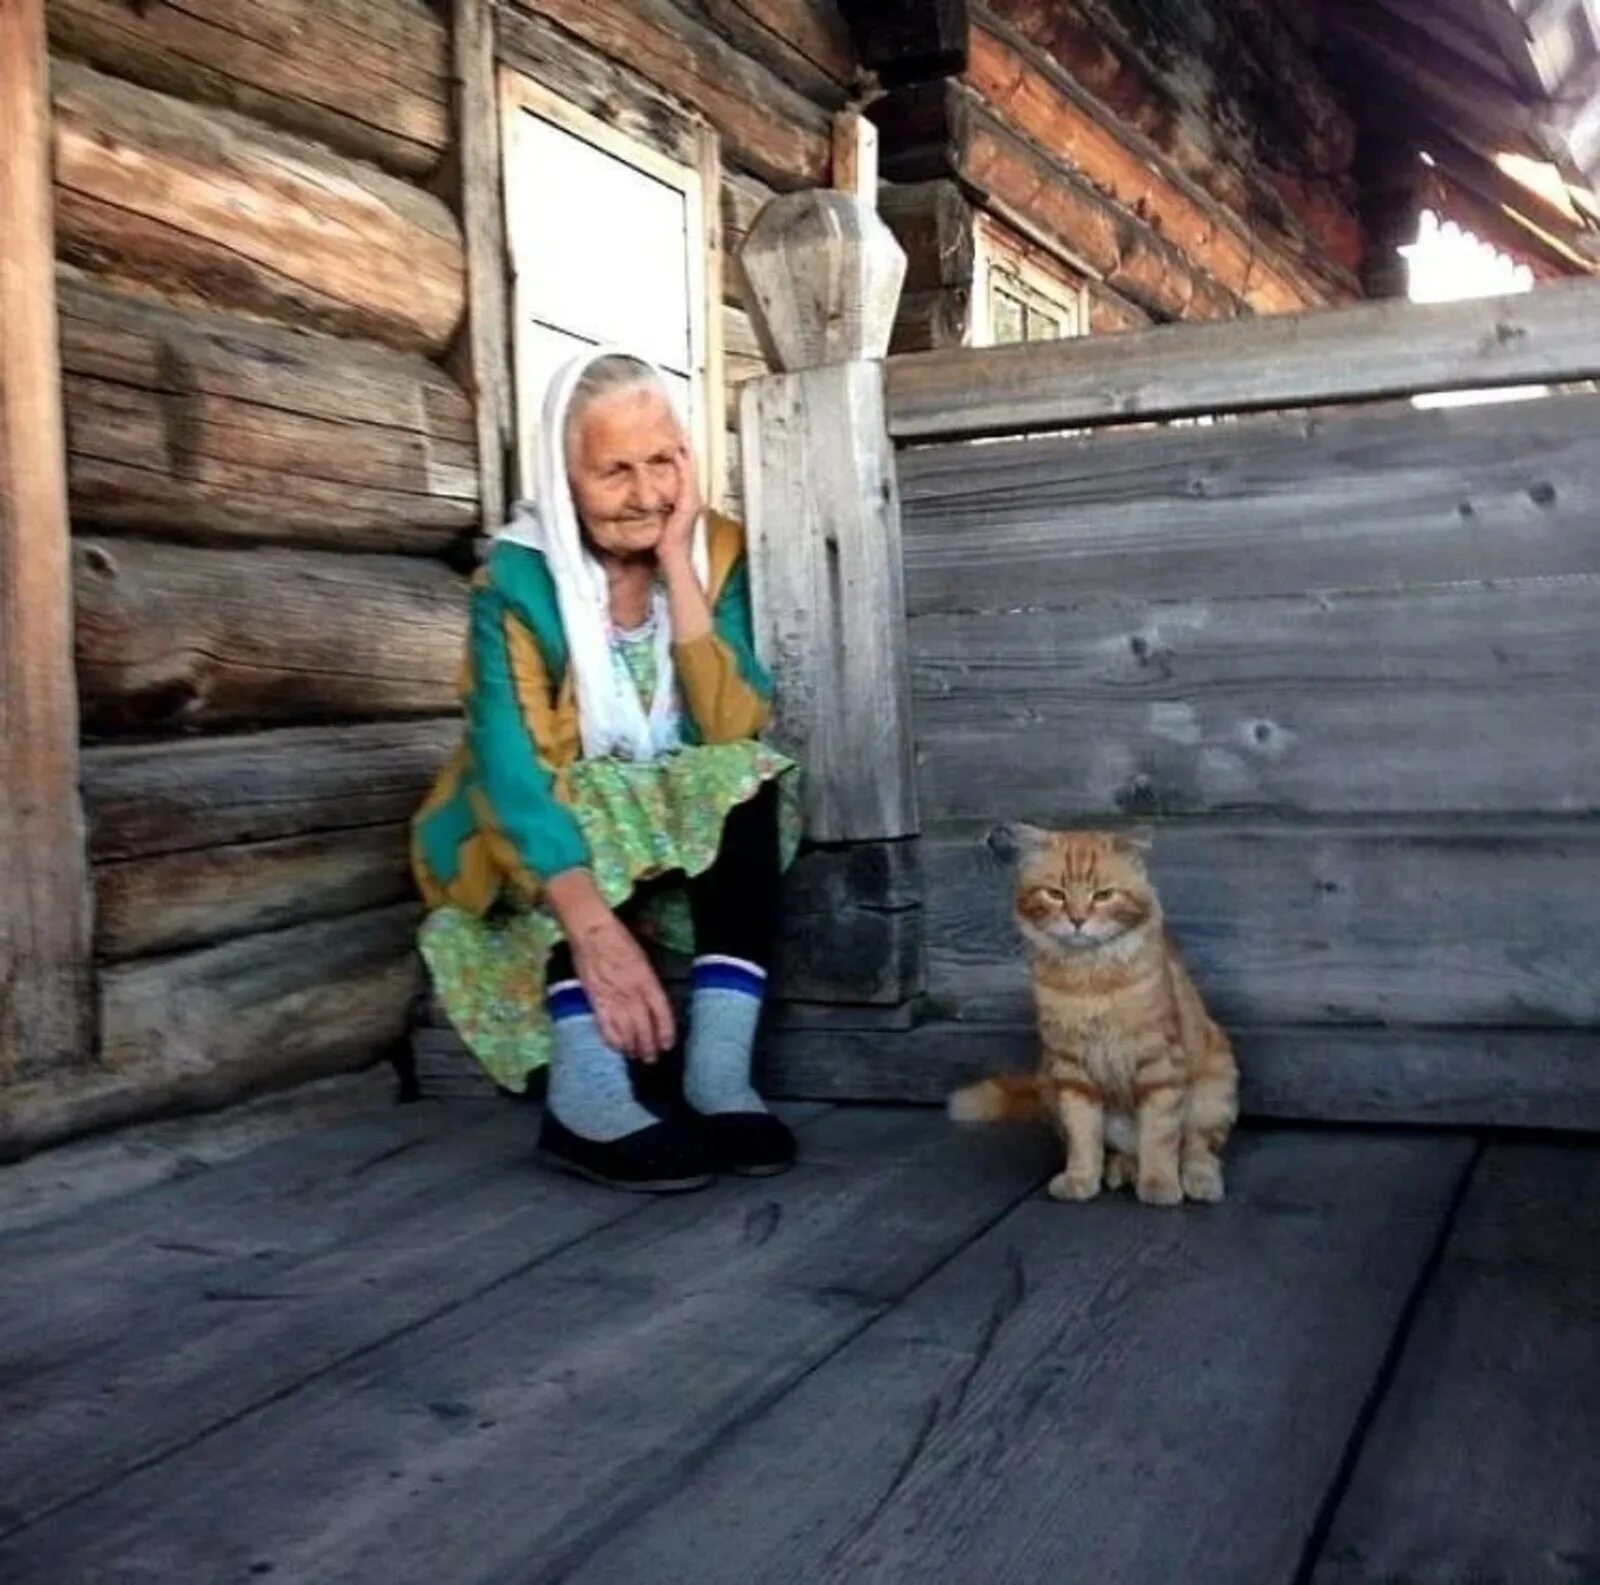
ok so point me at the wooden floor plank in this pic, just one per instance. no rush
(1101, 1392)
(504, 1438)
(1484, 1459)
(224, 1294)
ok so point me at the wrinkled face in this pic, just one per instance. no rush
(1078, 890)
(622, 463)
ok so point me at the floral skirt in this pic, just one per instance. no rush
(641, 821)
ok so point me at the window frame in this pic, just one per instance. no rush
(701, 186)
(996, 257)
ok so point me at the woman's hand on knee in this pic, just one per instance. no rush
(632, 1009)
(630, 1006)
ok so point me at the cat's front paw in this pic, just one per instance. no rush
(1160, 1188)
(1074, 1186)
(1202, 1180)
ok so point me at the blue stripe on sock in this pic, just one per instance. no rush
(724, 976)
(569, 1001)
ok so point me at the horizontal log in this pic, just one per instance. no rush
(1309, 217)
(209, 426)
(1467, 697)
(1484, 923)
(173, 901)
(172, 637)
(1028, 91)
(148, 799)
(926, 321)
(1376, 500)
(767, 127)
(1370, 353)
(909, 40)
(1446, 1077)
(367, 77)
(199, 1029)
(933, 223)
(803, 42)
(1042, 196)
(206, 204)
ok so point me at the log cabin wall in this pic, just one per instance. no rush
(1178, 161)
(269, 469)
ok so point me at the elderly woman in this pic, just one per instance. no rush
(611, 785)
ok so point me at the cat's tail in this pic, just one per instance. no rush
(1008, 1098)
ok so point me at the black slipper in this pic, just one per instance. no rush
(665, 1158)
(747, 1144)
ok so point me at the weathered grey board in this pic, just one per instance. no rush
(1393, 922)
(1259, 506)
(1483, 1461)
(1469, 697)
(149, 798)
(1352, 354)
(504, 1438)
(211, 1309)
(1515, 1078)
(193, 898)
(827, 575)
(1099, 1392)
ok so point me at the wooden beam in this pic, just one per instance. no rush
(483, 223)
(44, 911)
(1360, 354)
(855, 155)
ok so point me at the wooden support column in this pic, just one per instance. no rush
(44, 913)
(824, 276)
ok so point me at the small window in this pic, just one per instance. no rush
(611, 243)
(1020, 295)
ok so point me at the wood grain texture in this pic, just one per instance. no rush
(367, 77)
(1463, 697)
(44, 899)
(173, 901)
(190, 200)
(153, 798)
(283, 1264)
(804, 43)
(212, 427)
(1044, 197)
(1370, 924)
(197, 1029)
(1259, 506)
(784, 1273)
(767, 127)
(1447, 1077)
(1504, 1338)
(1018, 1417)
(1025, 86)
(483, 225)
(1353, 354)
(824, 527)
(171, 637)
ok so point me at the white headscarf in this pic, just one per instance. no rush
(612, 720)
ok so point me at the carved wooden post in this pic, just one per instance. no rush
(823, 275)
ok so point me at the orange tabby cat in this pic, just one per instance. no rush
(1134, 1072)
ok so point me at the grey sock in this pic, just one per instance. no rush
(724, 1010)
(589, 1087)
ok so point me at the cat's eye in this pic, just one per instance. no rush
(1053, 894)
(1104, 895)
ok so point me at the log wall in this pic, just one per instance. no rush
(1179, 162)
(272, 475)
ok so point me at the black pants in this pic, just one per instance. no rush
(734, 904)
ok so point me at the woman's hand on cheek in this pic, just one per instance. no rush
(677, 535)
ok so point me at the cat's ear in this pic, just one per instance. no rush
(1014, 842)
(1135, 842)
